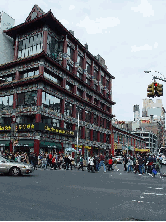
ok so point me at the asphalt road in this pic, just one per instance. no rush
(77, 195)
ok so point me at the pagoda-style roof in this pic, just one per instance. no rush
(48, 19)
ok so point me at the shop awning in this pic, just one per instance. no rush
(4, 143)
(46, 144)
(29, 143)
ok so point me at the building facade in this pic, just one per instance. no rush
(53, 90)
(150, 139)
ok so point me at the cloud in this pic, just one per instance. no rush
(98, 25)
(71, 7)
(145, 8)
(145, 47)
(155, 45)
(141, 48)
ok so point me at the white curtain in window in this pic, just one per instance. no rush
(10, 100)
(26, 52)
(19, 54)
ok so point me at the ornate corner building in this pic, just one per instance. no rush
(52, 89)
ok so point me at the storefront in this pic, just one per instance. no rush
(4, 145)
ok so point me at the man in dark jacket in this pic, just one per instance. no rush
(140, 161)
(35, 161)
(125, 161)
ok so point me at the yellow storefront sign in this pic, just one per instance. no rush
(117, 146)
(142, 150)
(80, 146)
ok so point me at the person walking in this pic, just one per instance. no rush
(70, 161)
(66, 160)
(115, 165)
(110, 163)
(140, 161)
(92, 164)
(130, 165)
(136, 166)
(54, 165)
(81, 163)
(102, 158)
(50, 159)
(44, 162)
(97, 163)
(35, 161)
(125, 161)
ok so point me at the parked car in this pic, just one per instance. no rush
(119, 159)
(14, 168)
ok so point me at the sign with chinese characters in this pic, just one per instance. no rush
(80, 146)
(22, 127)
(5, 128)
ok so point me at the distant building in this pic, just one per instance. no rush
(6, 42)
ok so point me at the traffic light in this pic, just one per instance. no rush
(150, 90)
(158, 88)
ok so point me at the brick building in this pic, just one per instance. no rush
(51, 82)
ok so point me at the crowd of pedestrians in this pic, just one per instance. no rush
(142, 164)
(137, 164)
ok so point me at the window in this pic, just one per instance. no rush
(28, 98)
(68, 109)
(101, 137)
(79, 75)
(78, 109)
(68, 125)
(88, 68)
(88, 97)
(96, 75)
(107, 84)
(27, 119)
(95, 87)
(9, 78)
(94, 135)
(101, 122)
(6, 120)
(95, 119)
(95, 101)
(107, 108)
(51, 102)
(70, 52)
(88, 81)
(80, 61)
(107, 124)
(30, 46)
(107, 138)
(29, 74)
(6, 101)
(56, 122)
(20, 99)
(87, 116)
(55, 79)
(79, 92)
(87, 134)
(69, 68)
(69, 87)
(102, 80)
(102, 105)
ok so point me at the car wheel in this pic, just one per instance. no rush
(15, 171)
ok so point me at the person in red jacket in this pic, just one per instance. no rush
(50, 158)
(54, 165)
(110, 162)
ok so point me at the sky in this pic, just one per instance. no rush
(129, 35)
